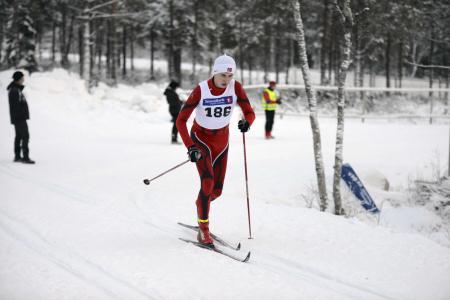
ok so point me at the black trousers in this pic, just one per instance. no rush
(21, 139)
(174, 127)
(270, 116)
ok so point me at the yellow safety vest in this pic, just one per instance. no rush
(273, 97)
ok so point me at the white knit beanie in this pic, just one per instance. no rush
(224, 64)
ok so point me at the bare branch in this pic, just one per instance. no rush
(102, 5)
(428, 66)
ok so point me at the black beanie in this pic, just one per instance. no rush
(17, 75)
(174, 84)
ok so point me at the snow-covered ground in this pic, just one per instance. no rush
(81, 225)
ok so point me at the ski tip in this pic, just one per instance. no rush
(247, 258)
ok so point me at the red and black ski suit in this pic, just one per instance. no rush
(213, 144)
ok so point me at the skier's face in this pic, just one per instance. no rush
(221, 80)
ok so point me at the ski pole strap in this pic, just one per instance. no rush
(202, 221)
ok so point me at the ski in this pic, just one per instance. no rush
(218, 250)
(215, 237)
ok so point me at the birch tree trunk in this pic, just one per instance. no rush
(312, 104)
(347, 22)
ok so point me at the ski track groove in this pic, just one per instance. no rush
(313, 276)
(73, 263)
(285, 266)
(77, 197)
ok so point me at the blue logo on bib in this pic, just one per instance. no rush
(218, 101)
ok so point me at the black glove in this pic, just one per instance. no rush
(278, 101)
(194, 154)
(243, 125)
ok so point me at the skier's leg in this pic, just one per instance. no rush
(220, 169)
(205, 171)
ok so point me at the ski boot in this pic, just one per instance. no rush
(204, 236)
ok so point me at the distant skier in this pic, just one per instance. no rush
(213, 101)
(270, 100)
(18, 109)
(174, 107)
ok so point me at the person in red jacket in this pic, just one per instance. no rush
(213, 101)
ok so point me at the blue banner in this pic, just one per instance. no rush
(357, 187)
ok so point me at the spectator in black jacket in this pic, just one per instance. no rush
(174, 107)
(18, 109)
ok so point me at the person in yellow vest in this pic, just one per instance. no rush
(270, 101)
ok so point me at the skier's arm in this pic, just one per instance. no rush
(185, 113)
(244, 103)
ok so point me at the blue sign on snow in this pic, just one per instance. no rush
(357, 187)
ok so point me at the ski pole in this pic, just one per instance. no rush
(246, 186)
(147, 181)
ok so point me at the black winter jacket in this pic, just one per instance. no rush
(18, 106)
(174, 100)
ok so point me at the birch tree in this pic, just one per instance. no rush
(346, 18)
(312, 104)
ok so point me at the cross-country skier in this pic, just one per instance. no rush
(213, 101)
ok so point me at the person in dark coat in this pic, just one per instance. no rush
(174, 107)
(18, 109)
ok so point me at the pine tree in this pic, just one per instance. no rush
(20, 38)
